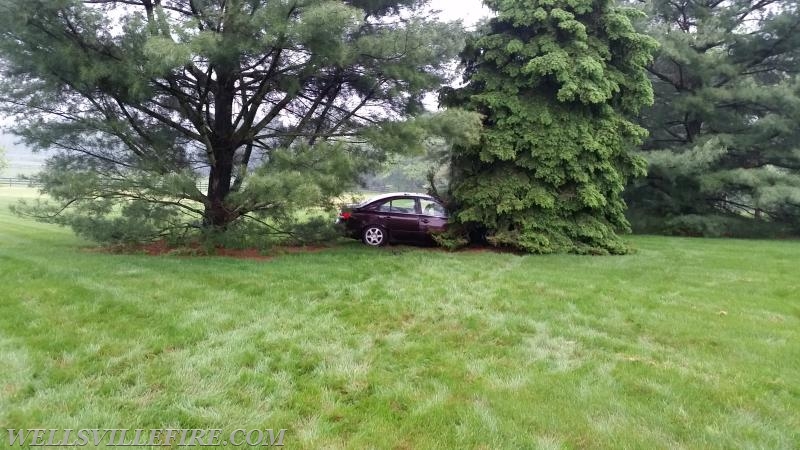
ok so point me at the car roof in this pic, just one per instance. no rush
(394, 194)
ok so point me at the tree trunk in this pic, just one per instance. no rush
(217, 214)
(693, 128)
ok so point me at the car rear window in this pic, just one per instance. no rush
(404, 205)
(432, 208)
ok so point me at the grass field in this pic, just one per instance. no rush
(689, 343)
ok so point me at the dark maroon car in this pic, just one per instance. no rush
(399, 216)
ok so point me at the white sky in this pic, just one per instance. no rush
(470, 11)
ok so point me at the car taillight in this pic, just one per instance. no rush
(345, 215)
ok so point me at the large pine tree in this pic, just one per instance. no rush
(724, 145)
(556, 82)
(165, 114)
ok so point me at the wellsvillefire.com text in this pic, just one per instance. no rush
(123, 437)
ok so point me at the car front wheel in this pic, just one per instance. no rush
(374, 236)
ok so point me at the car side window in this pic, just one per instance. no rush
(432, 208)
(404, 206)
(384, 207)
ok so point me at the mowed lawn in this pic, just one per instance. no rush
(688, 343)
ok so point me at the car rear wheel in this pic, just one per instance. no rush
(374, 236)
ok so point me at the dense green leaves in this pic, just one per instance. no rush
(555, 81)
(724, 144)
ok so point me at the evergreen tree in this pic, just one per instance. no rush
(277, 104)
(724, 138)
(555, 81)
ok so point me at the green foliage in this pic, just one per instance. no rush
(555, 82)
(142, 207)
(407, 173)
(415, 136)
(278, 105)
(718, 226)
(724, 144)
(454, 238)
(423, 148)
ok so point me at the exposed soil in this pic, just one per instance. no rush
(153, 249)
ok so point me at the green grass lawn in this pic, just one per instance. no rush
(688, 343)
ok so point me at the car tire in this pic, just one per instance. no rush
(374, 236)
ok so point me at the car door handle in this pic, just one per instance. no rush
(383, 217)
(424, 220)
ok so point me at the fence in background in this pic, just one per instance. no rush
(18, 182)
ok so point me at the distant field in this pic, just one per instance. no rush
(9, 195)
(21, 162)
(689, 343)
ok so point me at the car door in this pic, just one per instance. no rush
(432, 218)
(402, 219)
